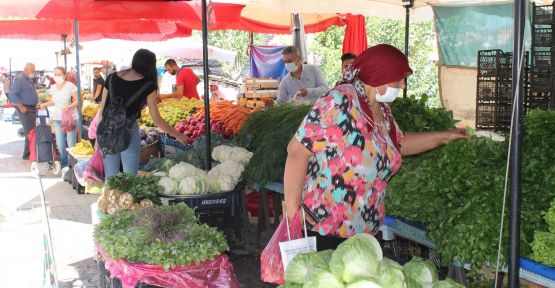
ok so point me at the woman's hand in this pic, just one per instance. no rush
(450, 135)
(183, 139)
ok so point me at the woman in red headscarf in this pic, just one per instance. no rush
(349, 146)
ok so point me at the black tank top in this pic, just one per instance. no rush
(126, 89)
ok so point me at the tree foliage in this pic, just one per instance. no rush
(328, 45)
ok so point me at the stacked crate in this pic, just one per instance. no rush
(259, 92)
(494, 92)
(541, 94)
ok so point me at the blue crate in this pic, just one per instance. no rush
(170, 146)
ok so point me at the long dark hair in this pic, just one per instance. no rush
(144, 62)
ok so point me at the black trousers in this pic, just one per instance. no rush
(28, 121)
(326, 242)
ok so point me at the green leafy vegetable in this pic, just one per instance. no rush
(543, 248)
(389, 275)
(412, 114)
(364, 283)
(140, 187)
(448, 283)
(164, 235)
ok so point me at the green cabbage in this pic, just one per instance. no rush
(390, 276)
(366, 283)
(393, 263)
(304, 266)
(448, 283)
(290, 285)
(326, 255)
(422, 272)
(357, 257)
(324, 279)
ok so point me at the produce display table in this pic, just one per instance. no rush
(393, 226)
(214, 273)
(536, 273)
(263, 211)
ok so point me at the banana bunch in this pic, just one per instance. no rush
(89, 111)
(83, 148)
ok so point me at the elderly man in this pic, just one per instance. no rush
(304, 80)
(25, 99)
(186, 81)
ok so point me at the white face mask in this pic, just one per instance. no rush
(389, 96)
(59, 79)
(291, 67)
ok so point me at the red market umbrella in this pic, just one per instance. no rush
(355, 35)
(51, 29)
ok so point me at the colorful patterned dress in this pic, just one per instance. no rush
(347, 176)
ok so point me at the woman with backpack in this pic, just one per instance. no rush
(127, 93)
(64, 100)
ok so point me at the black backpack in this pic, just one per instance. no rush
(112, 133)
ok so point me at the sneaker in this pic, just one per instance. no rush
(65, 174)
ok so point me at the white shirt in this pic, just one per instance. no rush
(61, 99)
(311, 79)
(166, 83)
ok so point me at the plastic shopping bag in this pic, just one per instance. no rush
(68, 123)
(95, 168)
(94, 124)
(272, 268)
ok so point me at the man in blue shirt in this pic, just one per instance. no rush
(25, 99)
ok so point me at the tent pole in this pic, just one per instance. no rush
(407, 4)
(516, 145)
(79, 99)
(206, 78)
(64, 38)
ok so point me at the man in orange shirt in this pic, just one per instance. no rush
(186, 82)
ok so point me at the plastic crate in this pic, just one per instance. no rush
(171, 146)
(542, 60)
(542, 14)
(221, 210)
(542, 37)
(541, 82)
(493, 116)
(494, 64)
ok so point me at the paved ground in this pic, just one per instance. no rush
(22, 229)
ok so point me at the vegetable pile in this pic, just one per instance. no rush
(169, 236)
(267, 134)
(232, 116)
(89, 111)
(359, 263)
(128, 192)
(82, 148)
(172, 110)
(413, 115)
(149, 136)
(463, 182)
(544, 242)
(195, 128)
(186, 179)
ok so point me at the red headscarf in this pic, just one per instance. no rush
(378, 65)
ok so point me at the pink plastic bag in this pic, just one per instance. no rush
(68, 123)
(215, 273)
(94, 124)
(94, 172)
(271, 265)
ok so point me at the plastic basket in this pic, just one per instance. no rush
(172, 146)
(543, 14)
(149, 151)
(542, 60)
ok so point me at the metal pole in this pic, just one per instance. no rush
(208, 158)
(516, 145)
(57, 53)
(407, 4)
(64, 38)
(79, 99)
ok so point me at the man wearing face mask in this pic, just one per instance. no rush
(304, 82)
(349, 146)
(24, 97)
(186, 82)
